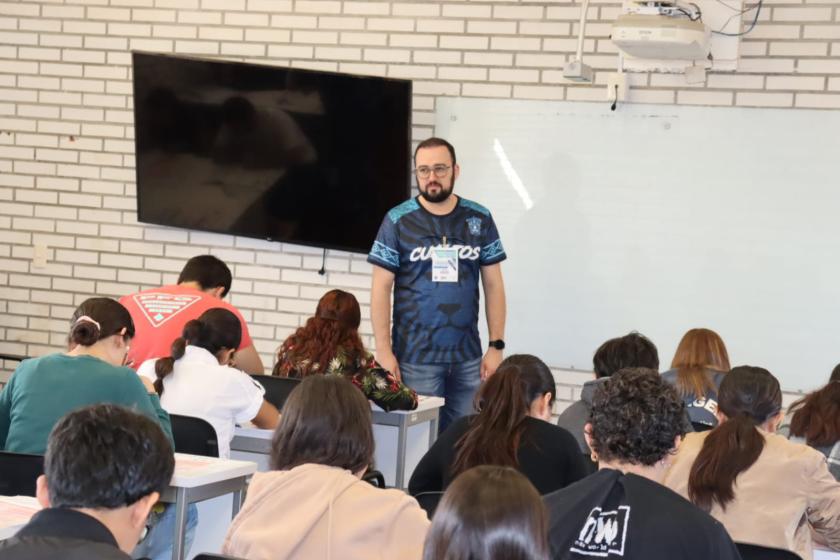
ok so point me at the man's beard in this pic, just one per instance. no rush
(442, 194)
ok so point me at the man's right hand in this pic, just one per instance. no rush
(389, 363)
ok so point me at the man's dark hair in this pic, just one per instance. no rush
(208, 271)
(326, 421)
(635, 417)
(434, 142)
(629, 351)
(106, 456)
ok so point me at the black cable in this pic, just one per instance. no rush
(615, 99)
(757, 8)
(323, 263)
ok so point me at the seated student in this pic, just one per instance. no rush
(623, 510)
(330, 343)
(815, 421)
(315, 504)
(512, 429)
(105, 468)
(632, 350)
(161, 313)
(42, 390)
(699, 365)
(196, 379)
(489, 513)
(764, 489)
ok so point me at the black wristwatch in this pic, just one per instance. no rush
(497, 344)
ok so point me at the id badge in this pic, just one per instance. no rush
(444, 264)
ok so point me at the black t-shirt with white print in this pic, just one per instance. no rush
(624, 516)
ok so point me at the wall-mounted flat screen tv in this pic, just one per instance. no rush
(285, 154)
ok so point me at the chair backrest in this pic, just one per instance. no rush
(20, 471)
(429, 501)
(277, 389)
(374, 477)
(209, 556)
(756, 552)
(194, 436)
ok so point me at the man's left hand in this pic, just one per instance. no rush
(491, 360)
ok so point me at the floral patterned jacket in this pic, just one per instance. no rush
(378, 384)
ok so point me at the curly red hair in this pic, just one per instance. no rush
(335, 326)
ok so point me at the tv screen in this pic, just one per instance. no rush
(315, 158)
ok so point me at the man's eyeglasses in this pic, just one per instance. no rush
(441, 171)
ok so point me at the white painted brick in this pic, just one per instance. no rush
(36, 53)
(378, 39)
(162, 16)
(63, 241)
(221, 33)
(463, 42)
(486, 90)
(466, 11)
(318, 6)
(267, 35)
(273, 318)
(338, 53)
(387, 55)
(290, 51)
(488, 59)
(122, 232)
(15, 38)
(440, 25)
(56, 212)
(802, 14)
(766, 65)
(821, 31)
(269, 5)
(77, 228)
(12, 209)
(774, 31)
(763, 99)
(518, 12)
(316, 37)
(492, 27)
(36, 196)
(798, 48)
(390, 24)
(810, 83)
(197, 47)
(437, 57)
(294, 22)
(735, 81)
(413, 40)
(411, 71)
(825, 66)
(818, 100)
(506, 75)
(462, 73)
(704, 97)
(144, 277)
(31, 224)
(539, 92)
(200, 17)
(302, 277)
(416, 9)
(549, 29)
(515, 43)
(122, 261)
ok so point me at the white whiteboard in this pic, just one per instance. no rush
(660, 219)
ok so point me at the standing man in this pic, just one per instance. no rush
(160, 314)
(431, 251)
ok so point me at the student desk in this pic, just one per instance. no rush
(402, 438)
(15, 512)
(199, 478)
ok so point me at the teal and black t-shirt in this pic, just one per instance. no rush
(436, 322)
(42, 390)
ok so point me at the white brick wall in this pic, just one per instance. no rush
(66, 149)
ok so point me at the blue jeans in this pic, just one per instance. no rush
(457, 383)
(158, 542)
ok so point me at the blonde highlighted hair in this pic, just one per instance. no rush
(699, 351)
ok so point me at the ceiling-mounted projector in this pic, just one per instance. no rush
(661, 37)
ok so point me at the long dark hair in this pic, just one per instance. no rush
(334, 326)
(503, 404)
(748, 396)
(98, 318)
(492, 513)
(816, 416)
(325, 421)
(215, 330)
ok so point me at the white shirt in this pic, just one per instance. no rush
(199, 386)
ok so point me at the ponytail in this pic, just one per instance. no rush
(493, 438)
(504, 403)
(164, 366)
(215, 330)
(728, 450)
(817, 416)
(748, 396)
